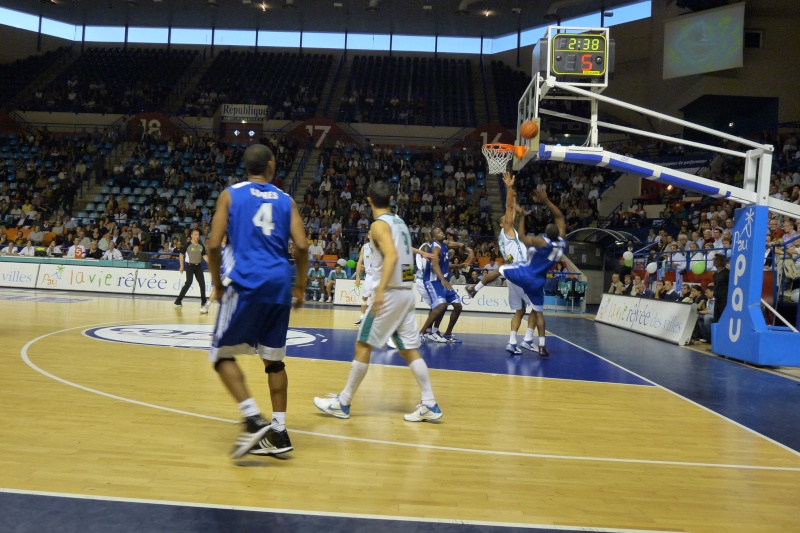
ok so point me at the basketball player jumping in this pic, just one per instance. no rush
(529, 273)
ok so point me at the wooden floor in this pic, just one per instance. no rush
(92, 417)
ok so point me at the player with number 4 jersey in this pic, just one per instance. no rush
(256, 293)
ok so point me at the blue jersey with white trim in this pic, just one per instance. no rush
(541, 260)
(257, 255)
(444, 263)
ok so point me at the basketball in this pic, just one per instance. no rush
(529, 129)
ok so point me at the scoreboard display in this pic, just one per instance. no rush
(583, 55)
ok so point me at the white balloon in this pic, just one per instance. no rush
(628, 256)
(341, 263)
(651, 268)
(796, 295)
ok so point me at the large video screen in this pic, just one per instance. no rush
(704, 42)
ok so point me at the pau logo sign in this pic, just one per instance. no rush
(191, 336)
(742, 318)
(742, 240)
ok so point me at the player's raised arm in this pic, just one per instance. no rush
(298, 235)
(557, 214)
(511, 201)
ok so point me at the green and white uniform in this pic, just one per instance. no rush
(396, 317)
(516, 253)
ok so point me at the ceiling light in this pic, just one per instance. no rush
(427, 8)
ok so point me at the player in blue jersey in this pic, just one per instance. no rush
(436, 279)
(542, 253)
(256, 293)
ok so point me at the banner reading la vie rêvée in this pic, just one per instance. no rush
(669, 321)
(90, 278)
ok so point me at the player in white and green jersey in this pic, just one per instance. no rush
(514, 252)
(391, 312)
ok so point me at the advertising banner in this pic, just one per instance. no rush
(86, 278)
(167, 283)
(488, 300)
(19, 275)
(240, 112)
(669, 321)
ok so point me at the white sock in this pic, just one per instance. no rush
(541, 341)
(529, 334)
(420, 371)
(479, 286)
(249, 408)
(512, 339)
(357, 372)
(435, 329)
(279, 420)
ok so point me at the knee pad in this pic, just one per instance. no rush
(220, 361)
(275, 367)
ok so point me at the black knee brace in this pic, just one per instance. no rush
(276, 366)
(220, 361)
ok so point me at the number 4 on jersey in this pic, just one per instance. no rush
(263, 219)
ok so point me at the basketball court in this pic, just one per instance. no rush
(113, 415)
(114, 419)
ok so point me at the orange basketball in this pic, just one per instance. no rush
(529, 129)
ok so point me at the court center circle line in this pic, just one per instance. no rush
(26, 358)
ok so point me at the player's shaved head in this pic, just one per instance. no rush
(256, 160)
(552, 232)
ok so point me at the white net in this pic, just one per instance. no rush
(497, 157)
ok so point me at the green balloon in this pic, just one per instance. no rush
(698, 267)
(351, 264)
(628, 262)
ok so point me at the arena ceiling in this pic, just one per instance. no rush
(414, 17)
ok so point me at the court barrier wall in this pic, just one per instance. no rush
(669, 321)
(89, 278)
(488, 300)
(115, 280)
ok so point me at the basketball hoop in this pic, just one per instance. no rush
(498, 155)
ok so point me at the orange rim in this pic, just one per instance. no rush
(517, 150)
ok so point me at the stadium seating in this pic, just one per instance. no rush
(116, 80)
(405, 90)
(17, 75)
(291, 84)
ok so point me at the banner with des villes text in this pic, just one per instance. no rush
(18, 275)
(488, 300)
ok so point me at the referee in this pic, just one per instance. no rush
(191, 260)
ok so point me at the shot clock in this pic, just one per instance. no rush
(582, 55)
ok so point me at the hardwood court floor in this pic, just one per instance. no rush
(583, 444)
